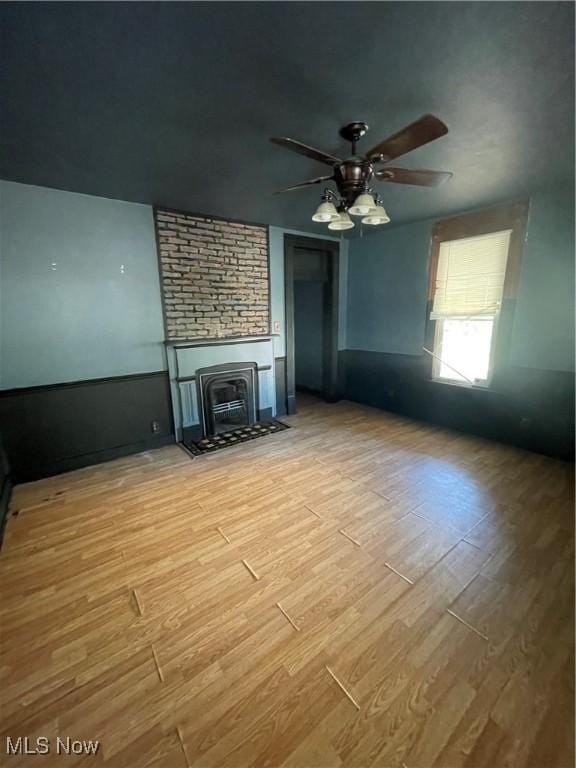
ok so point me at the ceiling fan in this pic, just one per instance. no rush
(353, 175)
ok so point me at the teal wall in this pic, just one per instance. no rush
(387, 285)
(79, 295)
(388, 278)
(543, 335)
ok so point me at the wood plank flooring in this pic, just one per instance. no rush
(359, 590)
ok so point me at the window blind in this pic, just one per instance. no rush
(470, 276)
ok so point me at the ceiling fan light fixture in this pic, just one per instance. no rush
(326, 212)
(363, 205)
(344, 222)
(377, 216)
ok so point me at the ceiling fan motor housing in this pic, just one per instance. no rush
(352, 178)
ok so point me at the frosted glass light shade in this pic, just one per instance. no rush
(363, 205)
(377, 216)
(344, 222)
(326, 211)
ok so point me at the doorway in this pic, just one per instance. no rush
(311, 301)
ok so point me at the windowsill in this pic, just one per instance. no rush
(462, 385)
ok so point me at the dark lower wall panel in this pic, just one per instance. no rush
(532, 409)
(280, 379)
(53, 429)
(5, 489)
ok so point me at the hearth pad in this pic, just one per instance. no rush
(234, 437)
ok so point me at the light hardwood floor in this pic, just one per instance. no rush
(431, 572)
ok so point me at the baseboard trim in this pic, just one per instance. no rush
(330, 397)
(290, 405)
(265, 414)
(308, 391)
(90, 459)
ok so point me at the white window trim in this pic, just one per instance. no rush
(437, 355)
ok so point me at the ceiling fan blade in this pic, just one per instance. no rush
(304, 149)
(425, 129)
(409, 176)
(302, 184)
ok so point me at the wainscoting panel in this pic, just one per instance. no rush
(52, 429)
(5, 489)
(189, 400)
(280, 377)
(526, 407)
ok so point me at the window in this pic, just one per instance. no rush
(474, 276)
(463, 349)
(467, 298)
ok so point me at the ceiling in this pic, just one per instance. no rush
(174, 103)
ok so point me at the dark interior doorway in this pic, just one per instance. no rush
(311, 286)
